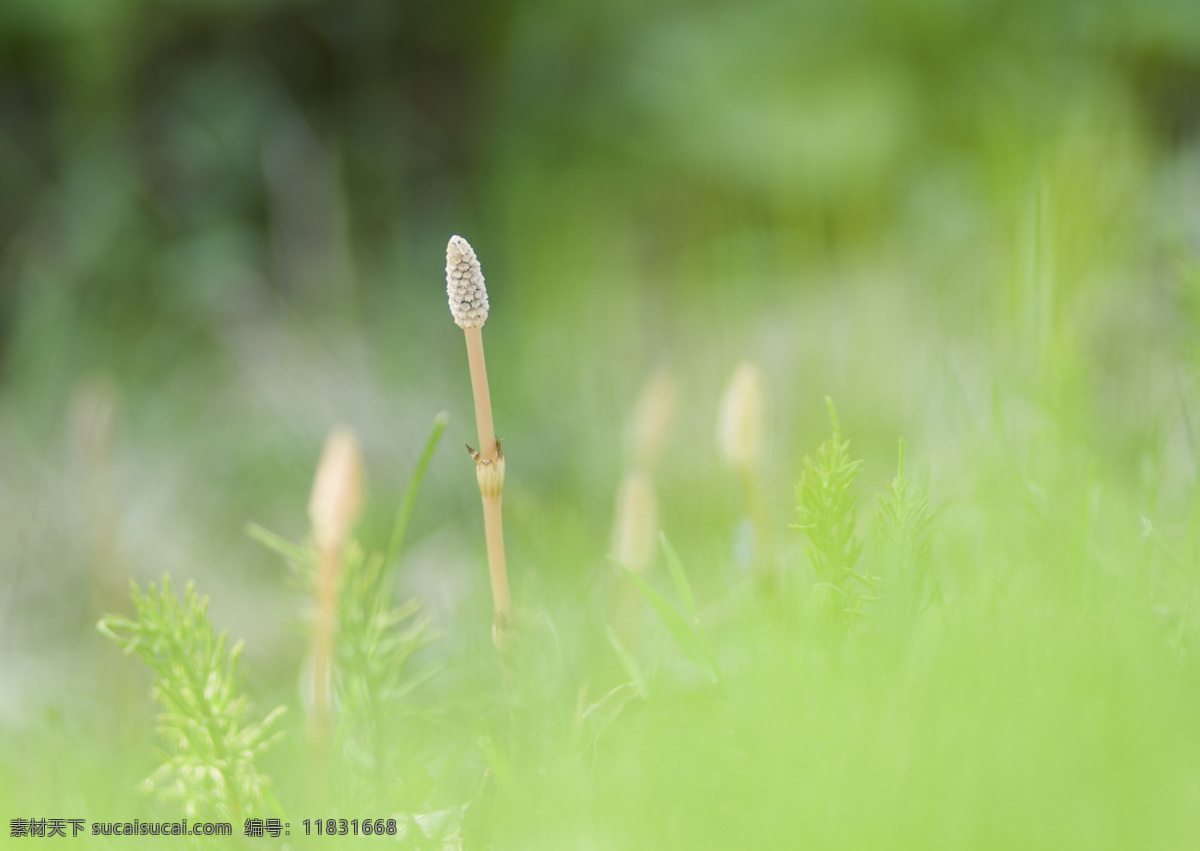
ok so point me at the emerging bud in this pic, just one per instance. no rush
(739, 423)
(337, 491)
(464, 285)
(635, 532)
(650, 426)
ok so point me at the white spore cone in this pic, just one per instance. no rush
(464, 285)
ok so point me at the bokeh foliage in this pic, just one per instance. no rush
(972, 223)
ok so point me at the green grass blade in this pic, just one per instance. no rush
(293, 553)
(675, 567)
(629, 663)
(683, 632)
(400, 527)
(604, 712)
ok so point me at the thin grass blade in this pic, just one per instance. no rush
(629, 663)
(400, 527)
(683, 632)
(675, 567)
(293, 553)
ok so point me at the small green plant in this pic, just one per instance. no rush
(903, 527)
(370, 640)
(211, 741)
(827, 516)
(375, 643)
(684, 627)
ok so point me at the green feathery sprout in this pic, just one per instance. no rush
(903, 527)
(827, 515)
(211, 741)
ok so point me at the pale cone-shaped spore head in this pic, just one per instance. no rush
(649, 428)
(337, 491)
(740, 421)
(464, 285)
(635, 532)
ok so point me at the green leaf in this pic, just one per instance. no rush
(400, 527)
(294, 553)
(678, 576)
(601, 714)
(675, 568)
(629, 663)
(683, 632)
(902, 532)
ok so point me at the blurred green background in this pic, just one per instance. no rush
(973, 223)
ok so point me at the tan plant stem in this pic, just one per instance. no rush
(327, 572)
(489, 470)
(483, 399)
(333, 508)
(764, 532)
(494, 529)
